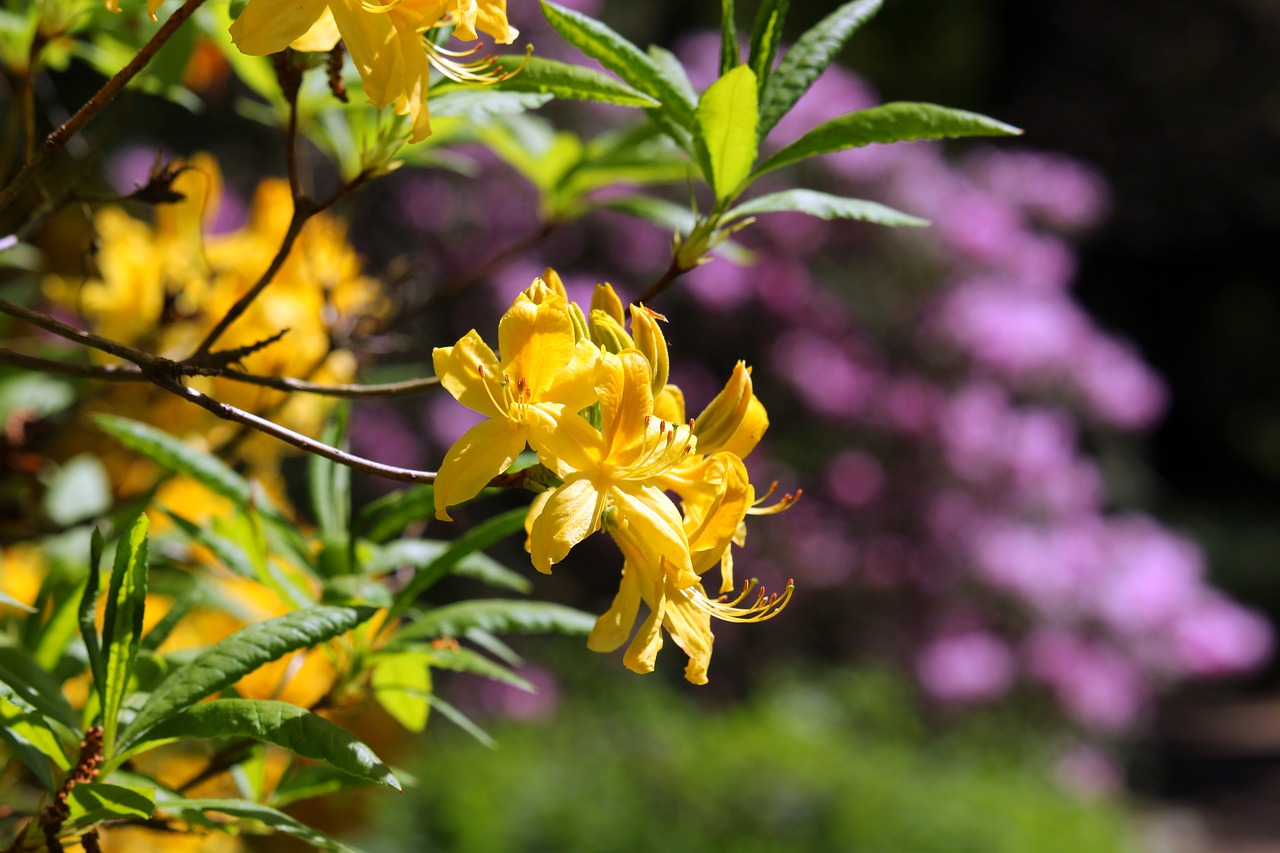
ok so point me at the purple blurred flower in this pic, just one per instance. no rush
(1095, 684)
(1061, 192)
(855, 479)
(827, 377)
(1118, 388)
(969, 667)
(1218, 637)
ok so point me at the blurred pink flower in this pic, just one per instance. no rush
(970, 667)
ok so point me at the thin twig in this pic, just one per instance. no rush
(57, 140)
(297, 439)
(674, 271)
(132, 373)
(79, 336)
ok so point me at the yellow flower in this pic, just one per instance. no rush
(684, 610)
(614, 468)
(544, 372)
(386, 39)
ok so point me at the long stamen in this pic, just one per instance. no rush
(784, 503)
(484, 380)
(765, 606)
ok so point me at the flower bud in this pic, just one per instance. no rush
(649, 339)
(724, 416)
(607, 332)
(605, 299)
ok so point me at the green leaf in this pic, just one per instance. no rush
(226, 662)
(462, 721)
(93, 802)
(726, 139)
(330, 482)
(277, 723)
(478, 103)
(34, 685)
(176, 613)
(357, 590)
(766, 35)
(277, 820)
(565, 81)
(122, 628)
(497, 615)
(467, 660)
(728, 37)
(392, 513)
(824, 206)
(807, 59)
(317, 780)
(34, 393)
(421, 553)
(28, 737)
(401, 683)
(673, 217)
(901, 121)
(177, 456)
(477, 538)
(57, 631)
(88, 609)
(621, 57)
(227, 551)
(669, 66)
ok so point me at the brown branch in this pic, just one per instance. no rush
(57, 140)
(297, 439)
(674, 271)
(79, 336)
(132, 373)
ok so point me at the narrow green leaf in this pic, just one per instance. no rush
(28, 737)
(176, 613)
(901, 121)
(621, 57)
(389, 515)
(728, 37)
(281, 724)
(462, 721)
(229, 660)
(677, 218)
(808, 58)
(421, 553)
(56, 633)
(565, 81)
(317, 780)
(468, 660)
(670, 67)
(88, 609)
(477, 538)
(726, 139)
(122, 628)
(330, 482)
(34, 685)
(498, 616)
(277, 820)
(824, 206)
(177, 456)
(93, 802)
(401, 683)
(475, 103)
(766, 35)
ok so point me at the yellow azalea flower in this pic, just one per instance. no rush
(387, 40)
(613, 468)
(543, 373)
(684, 610)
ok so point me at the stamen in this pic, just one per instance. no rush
(784, 503)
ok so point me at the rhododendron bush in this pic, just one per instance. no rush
(253, 458)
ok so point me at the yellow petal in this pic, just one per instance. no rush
(483, 452)
(321, 38)
(626, 400)
(268, 26)
(574, 385)
(605, 299)
(669, 405)
(535, 509)
(643, 651)
(723, 415)
(614, 626)
(535, 342)
(569, 516)
(690, 627)
(491, 17)
(566, 444)
(750, 429)
(459, 369)
(371, 40)
(152, 6)
(656, 522)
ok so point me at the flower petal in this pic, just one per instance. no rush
(626, 401)
(656, 522)
(643, 651)
(574, 386)
(483, 452)
(322, 36)
(565, 442)
(536, 343)
(265, 27)
(370, 39)
(459, 367)
(690, 627)
(568, 517)
(614, 626)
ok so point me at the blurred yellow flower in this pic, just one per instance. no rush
(389, 41)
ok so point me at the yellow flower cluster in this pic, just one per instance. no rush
(163, 285)
(591, 398)
(389, 41)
